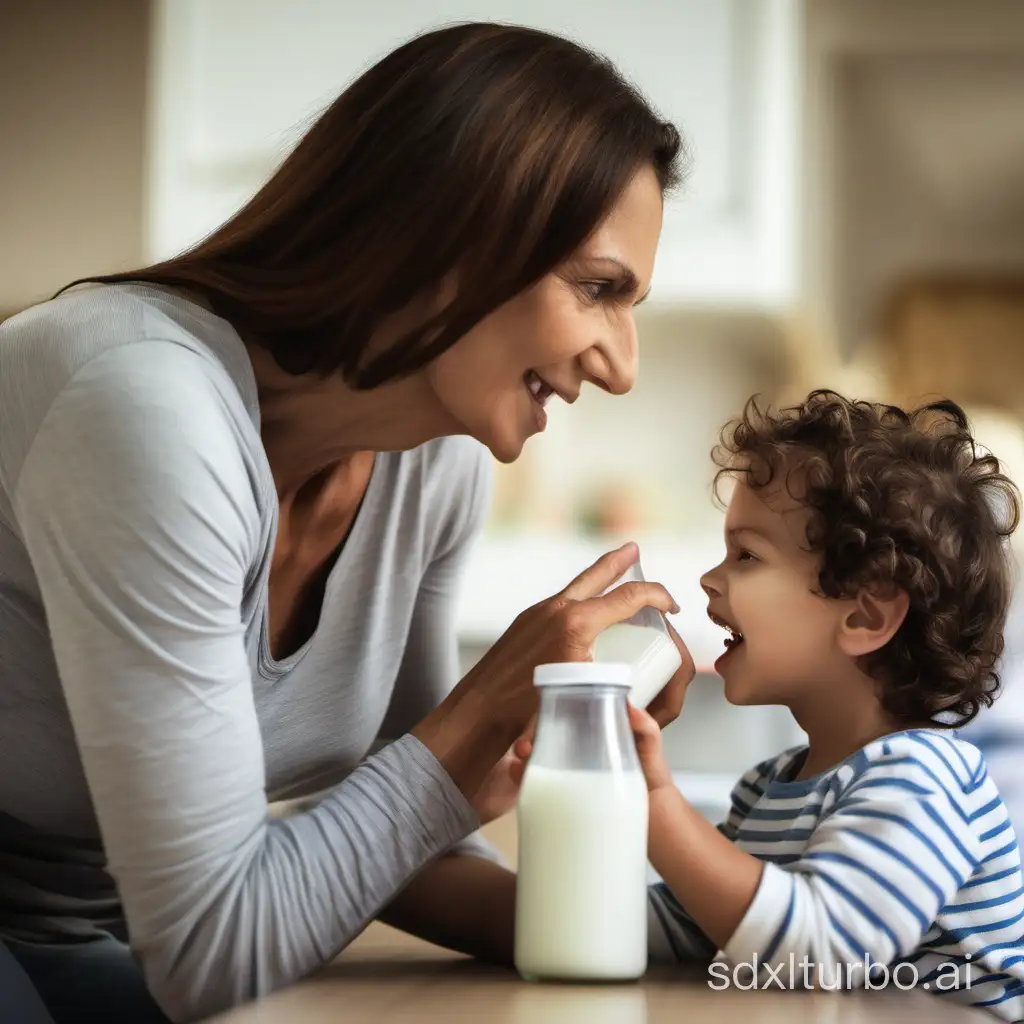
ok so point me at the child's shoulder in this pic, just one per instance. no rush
(776, 768)
(927, 756)
(935, 755)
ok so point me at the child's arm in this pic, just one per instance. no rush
(712, 879)
(891, 853)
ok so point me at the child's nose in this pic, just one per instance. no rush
(707, 584)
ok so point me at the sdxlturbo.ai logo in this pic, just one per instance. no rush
(805, 974)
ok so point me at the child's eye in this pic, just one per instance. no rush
(746, 556)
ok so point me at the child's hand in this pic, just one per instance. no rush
(649, 749)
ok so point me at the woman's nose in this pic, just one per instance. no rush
(612, 365)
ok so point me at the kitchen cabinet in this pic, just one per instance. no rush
(235, 80)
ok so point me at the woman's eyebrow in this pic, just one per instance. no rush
(630, 282)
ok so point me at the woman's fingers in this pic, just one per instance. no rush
(602, 574)
(517, 770)
(523, 746)
(531, 728)
(623, 603)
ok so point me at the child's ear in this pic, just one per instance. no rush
(871, 621)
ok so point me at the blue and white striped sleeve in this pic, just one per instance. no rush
(672, 935)
(895, 848)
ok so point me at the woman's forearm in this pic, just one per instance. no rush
(466, 739)
(463, 903)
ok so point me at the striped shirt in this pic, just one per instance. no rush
(901, 859)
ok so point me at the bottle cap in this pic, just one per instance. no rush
(583, 673)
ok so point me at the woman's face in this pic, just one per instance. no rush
(575, 325)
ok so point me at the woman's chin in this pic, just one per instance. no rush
(506, 456)
(504, 444)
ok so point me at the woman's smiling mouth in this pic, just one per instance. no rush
(540, 391)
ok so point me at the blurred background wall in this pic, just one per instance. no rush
(855, 219)
(73, 121)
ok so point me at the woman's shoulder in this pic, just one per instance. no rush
(105, 361)
(46, 345)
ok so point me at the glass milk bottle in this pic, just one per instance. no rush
(581, 894)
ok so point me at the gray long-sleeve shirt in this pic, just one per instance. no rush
(143, 721)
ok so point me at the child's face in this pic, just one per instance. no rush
(766, 590)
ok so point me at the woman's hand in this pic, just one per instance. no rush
(663, 710)
(478, 722)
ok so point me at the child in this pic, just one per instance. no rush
(865, 586)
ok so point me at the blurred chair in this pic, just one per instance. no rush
(961, 336)
(955, 335)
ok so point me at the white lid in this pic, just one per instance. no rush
(583, 673)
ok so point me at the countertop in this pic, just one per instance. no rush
(388, 978)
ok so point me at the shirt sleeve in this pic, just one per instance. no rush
(672, 934)
(876, 871)
(139, 512)
(430, 665)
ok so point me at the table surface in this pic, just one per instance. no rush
(387, 978)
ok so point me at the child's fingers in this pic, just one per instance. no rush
(647, 734)
(523, 748)
(644, 727)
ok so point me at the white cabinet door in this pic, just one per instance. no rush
(236, 81)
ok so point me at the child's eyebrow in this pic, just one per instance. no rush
(737, 531)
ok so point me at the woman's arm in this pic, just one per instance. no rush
(462, 902)
(430, 666)
(138, 510)
(466, 900)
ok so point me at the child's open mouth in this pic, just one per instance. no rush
(732, 641)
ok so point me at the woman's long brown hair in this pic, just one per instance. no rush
(485, 151)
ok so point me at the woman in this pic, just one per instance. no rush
(233, 507)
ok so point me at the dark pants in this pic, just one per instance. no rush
(19, 1001)
(79, 983)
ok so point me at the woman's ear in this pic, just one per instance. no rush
(872, 621)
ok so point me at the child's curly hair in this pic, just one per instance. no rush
(907, 500)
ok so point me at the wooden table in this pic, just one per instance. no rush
(385, 978)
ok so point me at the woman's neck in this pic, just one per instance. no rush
(310, 423)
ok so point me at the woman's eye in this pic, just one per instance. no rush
(594, 290)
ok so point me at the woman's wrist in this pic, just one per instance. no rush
(466, 741)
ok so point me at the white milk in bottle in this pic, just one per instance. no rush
(583, 886)
(581, 894)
